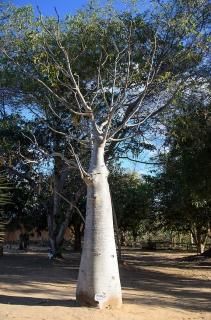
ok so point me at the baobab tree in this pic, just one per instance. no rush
(118, 71)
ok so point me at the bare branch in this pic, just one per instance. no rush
(155, 112)
(63, 100)
(143, 162)
(71, 204)
(56, 131)
(71, 164)
(84, 175)
(52, 109)
(123, 139)
(76, 87)
(129, 58)
(135, 105)
(26, 159)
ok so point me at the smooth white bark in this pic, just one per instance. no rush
(98, 282)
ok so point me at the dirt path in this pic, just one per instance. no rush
(156, 286)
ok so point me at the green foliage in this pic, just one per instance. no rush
(101, 45)
(183, 187)
(95, 41)
(132, 198)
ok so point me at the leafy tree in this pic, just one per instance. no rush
(132, 199)
(107, 70)
(184, 184)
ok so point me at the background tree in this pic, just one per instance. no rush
(183, 197)
(132, 198)
(5, 198)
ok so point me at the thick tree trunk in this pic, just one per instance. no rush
(200, 248)
(200, 238)
(98, 282)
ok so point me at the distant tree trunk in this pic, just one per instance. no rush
(1, 238)
(77, 233)
(122, 238)
(200, 235)
(60, 174)
(77, 225)
(3, 224)
(116, 229)
(173, 239)
(179, 238)
(98, 281)
(191, 239)
(59, 240)
(200, 248)
(2, 234)
(135, 235)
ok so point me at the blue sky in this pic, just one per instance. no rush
(69, 6)
(47, 6)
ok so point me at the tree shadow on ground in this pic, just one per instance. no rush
(163, 280)
(26, 267)
(24, 275)
(167, 290)
(149, 259)
(31, 301)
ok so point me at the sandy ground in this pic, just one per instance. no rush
(156, 286)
